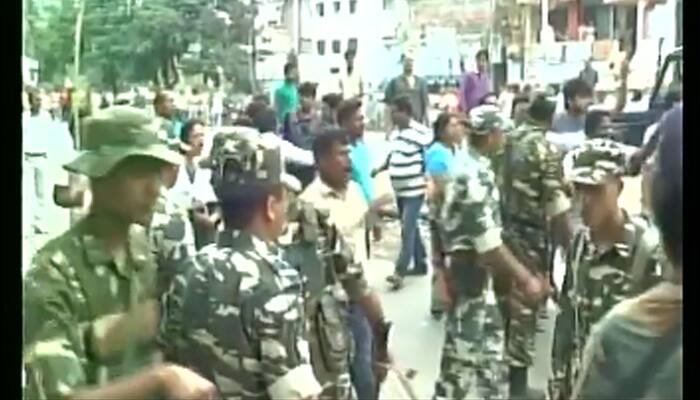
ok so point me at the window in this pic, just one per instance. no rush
(321, 47)
(352, 44)
(319, 9)
(336, 46)
(336, 6)
(353, 6)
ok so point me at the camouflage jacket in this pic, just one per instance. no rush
(243, 320)
(172, 239)
(471, 212)
(597, 278)
(72, 292)
(471, 218)
(532, 191)
(624, 339)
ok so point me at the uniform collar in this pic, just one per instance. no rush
(138, 249)
(327, 191)
(623, 247)
(245, 241)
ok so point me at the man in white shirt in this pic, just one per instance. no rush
(334, 192)
(351, 84)
(407, 171)
(217, 107)
(47, 144)
(193, 188)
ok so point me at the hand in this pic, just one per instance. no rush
(118, 331)
(534, 289)
(382, 360)
(180, 383)
(634, 165)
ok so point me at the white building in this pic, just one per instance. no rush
(327, 29)
(30, 71)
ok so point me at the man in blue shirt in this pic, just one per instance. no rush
(351, 120)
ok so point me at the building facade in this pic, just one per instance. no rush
(374, 29)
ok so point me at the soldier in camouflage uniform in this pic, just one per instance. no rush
(534, 198)
(472, 357)
(636, 350)
(172, 241)
(611, 258)
(90, 308)
(243, 306)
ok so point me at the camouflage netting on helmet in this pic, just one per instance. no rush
(487, 118)
(596, 160)
(239, 155)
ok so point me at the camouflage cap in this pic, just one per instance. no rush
(484, 119)
(596, 160)
(112, 135)
(248, 158)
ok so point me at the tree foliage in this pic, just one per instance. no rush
(147, 41)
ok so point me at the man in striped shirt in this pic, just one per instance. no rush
(406, 169)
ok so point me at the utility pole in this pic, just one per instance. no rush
(76, 69)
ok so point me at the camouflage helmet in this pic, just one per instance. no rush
(596, 160)
(115, 134)
(484, 119)
(239, 155)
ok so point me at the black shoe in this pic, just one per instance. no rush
(437, 314)
(395, 281)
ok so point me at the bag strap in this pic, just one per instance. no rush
(636, 384)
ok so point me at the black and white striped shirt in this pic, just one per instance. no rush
(406, 163)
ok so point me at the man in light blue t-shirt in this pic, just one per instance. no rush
(351, 120)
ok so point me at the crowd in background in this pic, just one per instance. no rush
(430, 139)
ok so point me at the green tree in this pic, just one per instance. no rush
(128, 43)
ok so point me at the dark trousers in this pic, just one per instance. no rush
(361, 372)
(411, 242)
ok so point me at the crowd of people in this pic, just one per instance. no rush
(226, 257)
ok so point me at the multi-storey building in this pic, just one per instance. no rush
(374, 29)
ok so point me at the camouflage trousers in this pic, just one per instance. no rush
(521, 329)
(472, 356)
(565, 363)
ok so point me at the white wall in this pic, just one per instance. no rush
(661, 22)
(368, 25)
